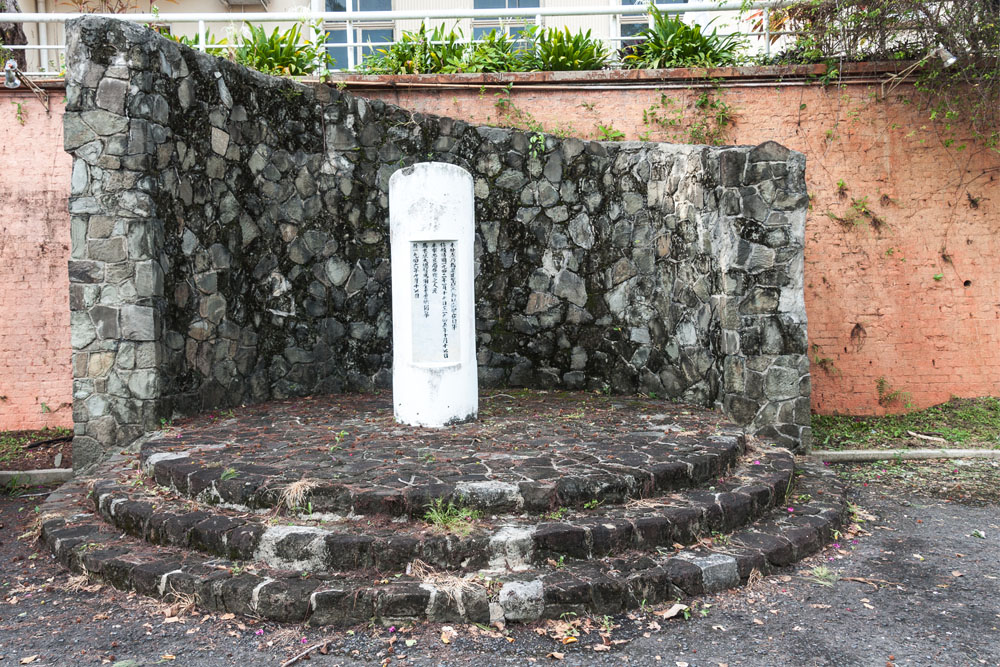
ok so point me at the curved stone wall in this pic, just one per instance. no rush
(230, 244)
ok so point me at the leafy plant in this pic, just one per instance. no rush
(450, 518)
(432, 51)
(228, 474)
(212, 44)
(962, 93)
(670, 42)
(609, 133)
(424, 52)
(559, 50)
(281, 53)
(705, 120)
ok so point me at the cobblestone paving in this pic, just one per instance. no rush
(529, 450)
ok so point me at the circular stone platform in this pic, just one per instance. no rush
(316, 510)
(527, 452)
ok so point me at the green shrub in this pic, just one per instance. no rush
(419, 52)
(670, 42)
(212, 45)
(436, 51)
(281, 53)
(555, 50)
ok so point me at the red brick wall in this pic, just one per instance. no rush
(35, 374)
(930, 339)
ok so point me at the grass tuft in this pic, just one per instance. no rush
(971, 422)
(450, 518)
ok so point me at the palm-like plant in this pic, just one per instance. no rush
(670, 42)
(555, 50)
(287, 53)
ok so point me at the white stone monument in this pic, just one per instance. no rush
(431, 227)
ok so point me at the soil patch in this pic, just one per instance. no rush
(22, 450)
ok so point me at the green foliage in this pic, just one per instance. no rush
(286, 53)
(609, 133)
(961, 96)
(555, 50)
(281, 53)
(705, 120)
(438, 51)
(212, 44)
(670, 42)
(12, 442)
(451, 517)
(960, 420)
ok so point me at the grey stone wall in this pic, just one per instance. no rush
(230, 244)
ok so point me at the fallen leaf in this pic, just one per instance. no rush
(681, 664)
(867, 606)
(447, 634)
(556, 655)
(410, 642)
(602, 647)
(654, 626)
(168, 656)
(30, 659)
(569, 640)
(758, 621)
(227, 617)
(673, 611)
(719, 628)
(956, 573)
(820, 606)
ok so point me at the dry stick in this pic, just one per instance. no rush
(50, 441)
(304, 654)
(871, 582)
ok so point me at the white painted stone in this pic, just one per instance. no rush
(431, 225)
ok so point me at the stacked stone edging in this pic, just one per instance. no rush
(229, 245)
(746, 495)
(599, 586)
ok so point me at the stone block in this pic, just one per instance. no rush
(138, 323)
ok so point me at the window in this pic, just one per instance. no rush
(368, 33)
(511, 26)
(629, 26)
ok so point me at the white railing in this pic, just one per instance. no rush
(352, 20)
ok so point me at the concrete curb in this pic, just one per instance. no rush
(36, 477)
(858, 455)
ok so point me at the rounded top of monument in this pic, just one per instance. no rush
(424, 169)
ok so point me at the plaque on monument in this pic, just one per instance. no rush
(431, 227)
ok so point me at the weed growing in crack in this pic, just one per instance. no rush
(450, 518)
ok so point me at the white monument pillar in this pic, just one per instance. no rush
(431, 228)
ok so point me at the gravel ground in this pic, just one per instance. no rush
(916, 585)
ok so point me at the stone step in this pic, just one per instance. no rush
(83, 543)
(535, 458)
(514, 541)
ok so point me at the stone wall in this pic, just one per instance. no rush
(907, 297)
(230, 245)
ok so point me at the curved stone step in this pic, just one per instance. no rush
(514, 541)
(84, 544)
(357, 461)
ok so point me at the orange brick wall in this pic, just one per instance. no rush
(35, 375)
(930, 339)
